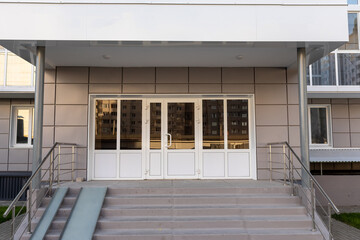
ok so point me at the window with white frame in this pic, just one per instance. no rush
(320, 125)
(22, 126)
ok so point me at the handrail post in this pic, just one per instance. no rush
(270, 163)
(58, 167)
(13, 223)
(284, 160)
(72, 162)
(329, 226)
(51, 172)
(313, 202)
(292, 173)
(29, 207)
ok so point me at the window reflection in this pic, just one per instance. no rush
(353, 42)
(352, 2)
(22, 131)
(181, 125)
(213, 124)
(155, 125)
(318, 126)
(237, 122)
(18, 71)
(323, 71)
(131, 125)
(105, 124)
(349, 69)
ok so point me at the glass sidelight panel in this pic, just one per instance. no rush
(213, 124)
(238, 124)
(181, 126)
(22, 133)
(105, 124)
(155, 125)
(131, 125)
(319, 128)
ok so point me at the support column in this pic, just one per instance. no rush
(38, 113)
(303, 109)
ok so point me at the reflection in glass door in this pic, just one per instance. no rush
(180, 148)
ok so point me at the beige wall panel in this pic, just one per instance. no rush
(265, 135)
(71, 115)
(238, 88)
(320, 101)
(293, 93)
(354, 100)
(172, 75)
(270, 75)
(4, 101)
(138, 88)
(355, 125)
(4, 140)
(139, 75)
(270, 94)
(48, 136)
(72, 75)
(4, 126)
(339, 101)
(76, 135)
(71, 93)
(293, 112)
(172, 88)
(341, 140)
(18, 167)
(81, 160)
(354, 110)
(18, 155)
(204, 75)
(5, 111)
(3, 156)
(294, 136)
(49, 93)
(105, 88)
(271, 115)
(48, 118)
(237, 75)
(49, 76)
(204, 88)
(340, 125)
(340, 111)
(355, 139)
(292, 73)
(3, 167)
(105, 75)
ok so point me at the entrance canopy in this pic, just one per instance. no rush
(236, 33)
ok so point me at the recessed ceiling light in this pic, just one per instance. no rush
(239, 57)
(105, 56)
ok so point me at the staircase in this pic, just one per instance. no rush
(200, 210)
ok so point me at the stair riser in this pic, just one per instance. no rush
(126, 191)
(189, 201)
(201, 212)
(203, 224)
(68, 201)
(210, 237)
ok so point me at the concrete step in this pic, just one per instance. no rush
(207, 234)
(214, 211)
(199, 191)
(198, 199)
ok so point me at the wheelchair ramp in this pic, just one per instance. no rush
(84, 216)
(49, 214)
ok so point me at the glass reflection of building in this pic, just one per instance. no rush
(105, 124)
(238, 119)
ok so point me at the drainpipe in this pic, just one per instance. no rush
(38, 113)
(303, 110)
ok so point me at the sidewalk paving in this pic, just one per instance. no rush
(342, 231)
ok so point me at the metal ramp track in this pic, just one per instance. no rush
(84, 216)
(48, 216)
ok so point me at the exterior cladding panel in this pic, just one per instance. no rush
(67, 92)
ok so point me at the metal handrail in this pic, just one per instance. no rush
(336, 210)
(28, 182)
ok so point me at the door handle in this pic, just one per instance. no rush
(168, 134)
